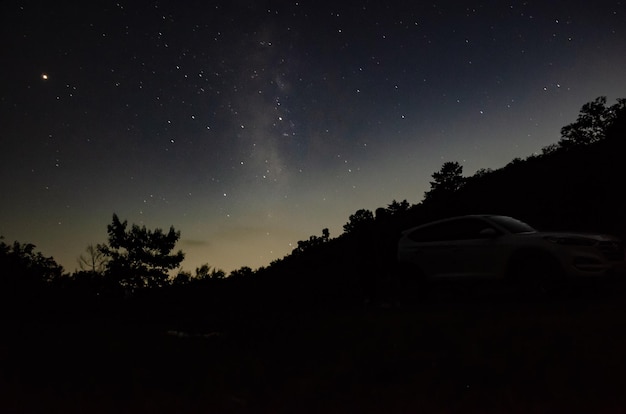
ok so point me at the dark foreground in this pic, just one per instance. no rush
(453, 353)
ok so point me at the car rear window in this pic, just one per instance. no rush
(512, 225)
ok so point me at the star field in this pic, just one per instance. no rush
(252, 125)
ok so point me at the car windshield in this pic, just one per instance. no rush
(512, 225)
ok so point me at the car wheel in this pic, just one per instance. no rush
(411, 284)
(534, 273)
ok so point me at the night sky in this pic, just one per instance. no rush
(250, 125)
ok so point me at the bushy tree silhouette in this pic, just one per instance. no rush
(397, 207)
(313, 241)
(242, 272)
(25, 265)
(593, 121)
(446, 181)
(139, 257)
(27, 278)
(358, 221)
(205, 272)
(182, 278)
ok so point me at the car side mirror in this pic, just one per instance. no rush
(488, 233)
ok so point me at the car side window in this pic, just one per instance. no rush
(461, 229)
(472, 228)
(432, 233)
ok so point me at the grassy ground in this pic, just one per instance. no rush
(452, 353)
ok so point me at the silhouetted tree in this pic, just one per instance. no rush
(398, 207)
(446, 181)
(481, 172)
(26, 278)
(592, 123)
(312, 242)
(22, 263)
(182, 278)
(358, 220)
(550, 149)
(205, 272)
(93, 261)
(515, 161)
(325, 235)
(617, 129)
(139, 257)
(242, 272)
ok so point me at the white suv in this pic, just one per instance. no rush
(490, 246)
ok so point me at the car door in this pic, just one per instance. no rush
(476, 249)
(436, 249)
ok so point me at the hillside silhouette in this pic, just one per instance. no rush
(569, 186)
